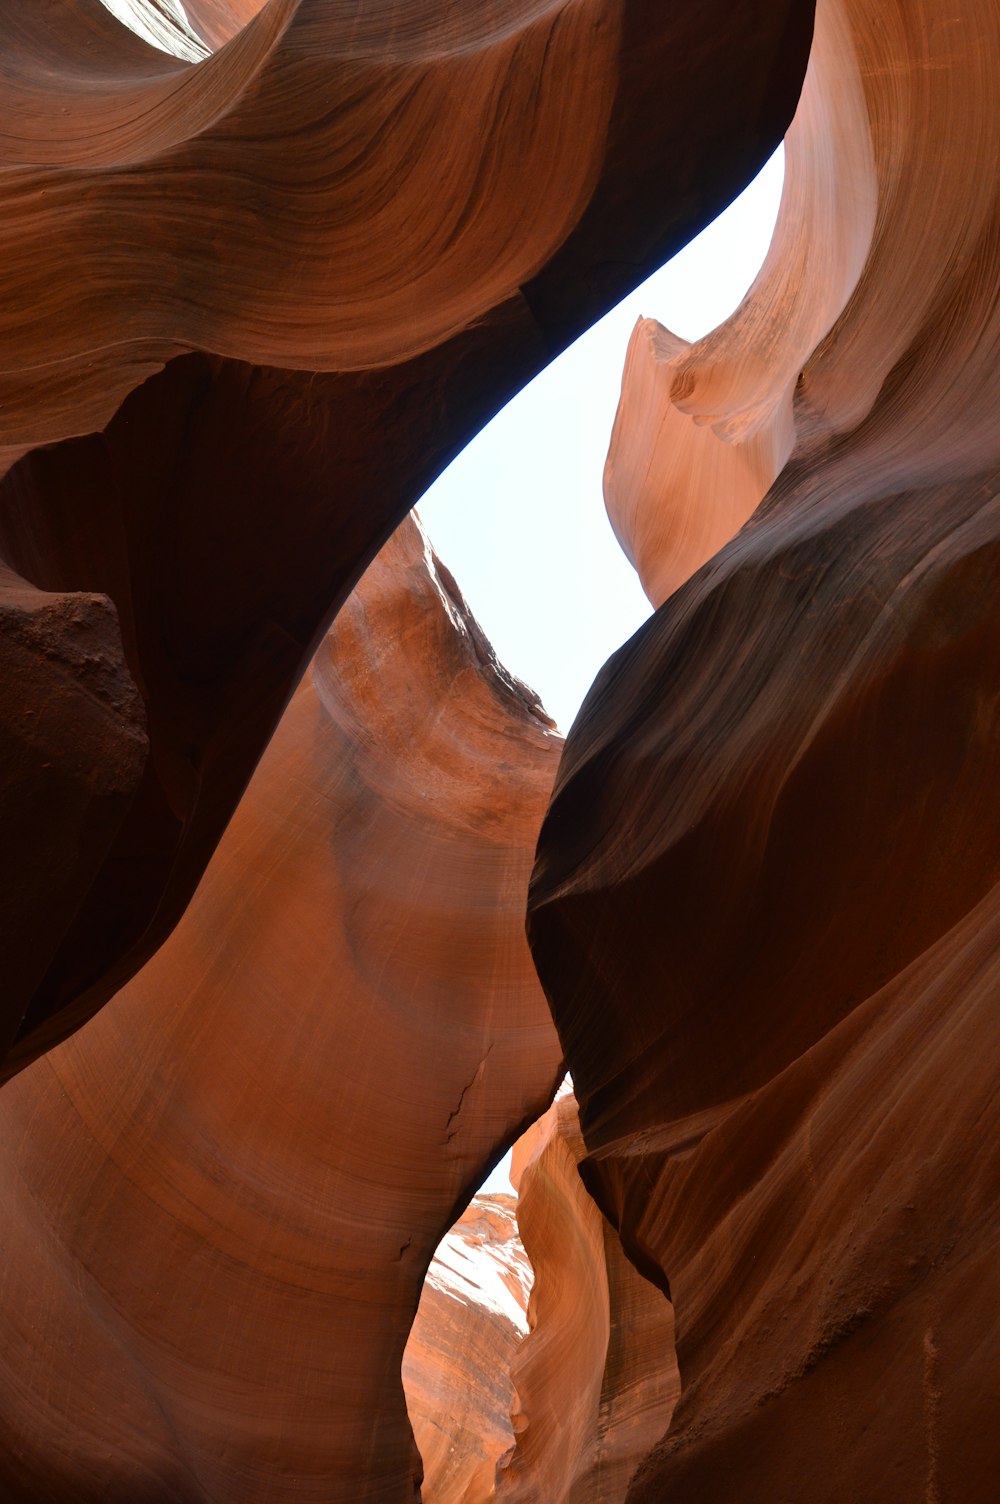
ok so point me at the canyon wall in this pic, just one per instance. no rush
(218, 1200)
(768, 885)
(457, 1364)
(595, 1380)
(251, 304)
(297, 268)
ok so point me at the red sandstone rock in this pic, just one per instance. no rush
(769, 881)
(557, 1376)
(457, 1363)
(596, 1379)
(254, 221)
(218, 1201)
(423, 204)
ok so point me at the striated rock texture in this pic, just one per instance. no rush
(218, 1201)
(457, 1363)
(767, 896)
(294, 277)
(596, 1379)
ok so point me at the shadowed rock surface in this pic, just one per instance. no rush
(766, 899)
(218, 1201)
(293, 279)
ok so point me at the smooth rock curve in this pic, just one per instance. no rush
(457, 1364)
(767, 884)
(349, 235)
(219, 1200)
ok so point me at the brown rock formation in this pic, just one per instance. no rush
(457, 1363)
(61, 664)
(702, 430)
(769, 883)
(423, 203)
(220, 1198)
(596, 1379)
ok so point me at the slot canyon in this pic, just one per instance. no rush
(311, 911)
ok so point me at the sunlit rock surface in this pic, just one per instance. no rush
(253, 304)
(457, 1364)
(218, 1201)
(702, 430)
(596, 1380)
(766, 902)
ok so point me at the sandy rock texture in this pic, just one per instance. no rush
(457, 1364)
(596, 1380)
(766, 900)
(298, 267)
(218, 1201)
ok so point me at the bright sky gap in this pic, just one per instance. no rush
(519, 516)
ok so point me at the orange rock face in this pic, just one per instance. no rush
(294, 277)
(702, 430)
(595, 1381)
(457, 1363)
(767, 888)
(220, 1198)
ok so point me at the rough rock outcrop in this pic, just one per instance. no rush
(596, 1380)
(422, 203)
(218, 1201)
(768, 887)
(457, 1363)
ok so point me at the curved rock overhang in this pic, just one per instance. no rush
(294, 278)
(766, 896)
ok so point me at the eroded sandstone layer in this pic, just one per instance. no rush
(595, 1382)
(249, 307)
(766, 903)
(218, 1201)
(457, 1364)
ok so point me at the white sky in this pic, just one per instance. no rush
(519, 516)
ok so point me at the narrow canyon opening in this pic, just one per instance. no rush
(519, 516)
(188, 29)
(538, 1352)
(308, 903)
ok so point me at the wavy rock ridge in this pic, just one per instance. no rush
(295, 277)
(298, 273)
(219, 1200)
(543, 1380)
(595, 1380)
(457, 1364)
(767, 887)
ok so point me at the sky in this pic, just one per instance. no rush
(519, 516)
(174, 36)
